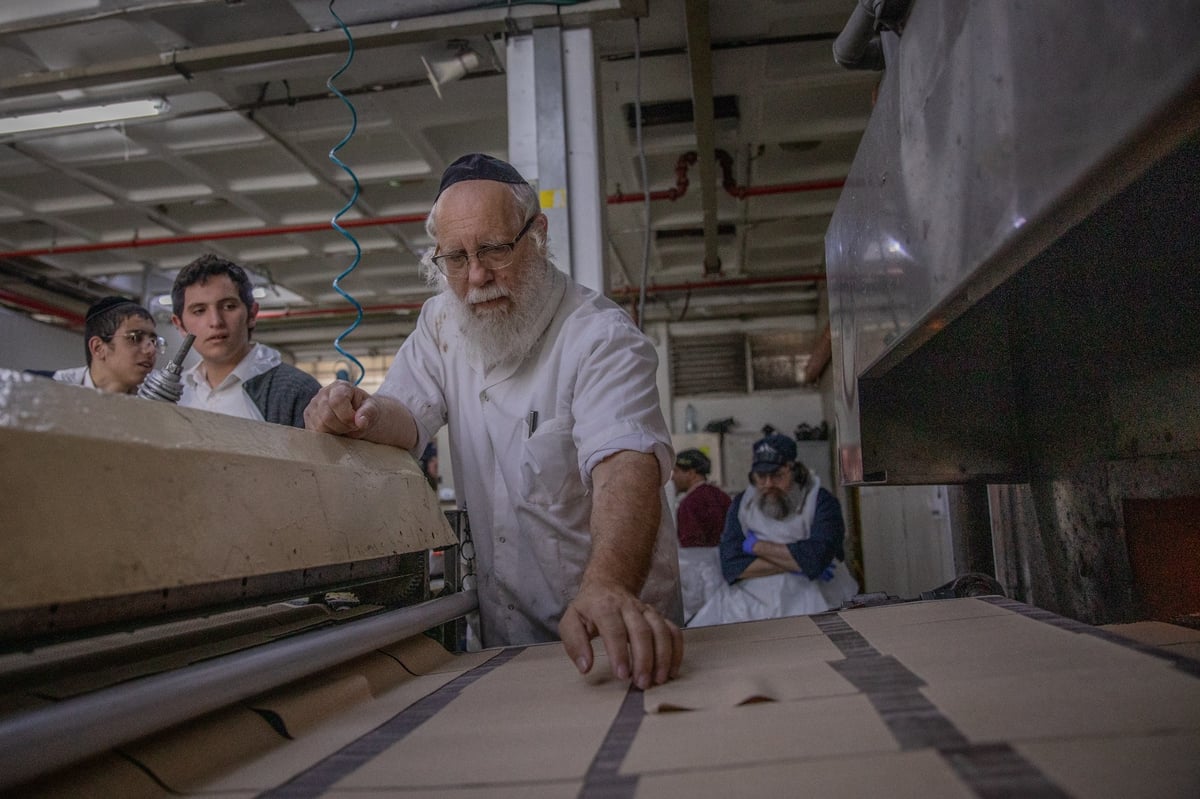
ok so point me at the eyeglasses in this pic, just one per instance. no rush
(492, 257)
(140, 337)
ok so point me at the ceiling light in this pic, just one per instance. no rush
(85, 115)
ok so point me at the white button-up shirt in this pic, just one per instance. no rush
(229, 397)
(591, 381)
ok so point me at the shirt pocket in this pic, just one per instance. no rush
(550, 465)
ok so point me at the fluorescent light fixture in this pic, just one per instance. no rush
(86, 115)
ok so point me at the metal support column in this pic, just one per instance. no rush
(554, 141)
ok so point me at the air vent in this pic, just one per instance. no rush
(738, 363)
(708, 365)
(673, 112)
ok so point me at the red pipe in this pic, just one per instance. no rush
(289, 313)
(627, 291)
(37, 306)
(681, 184)
(734, 282)
(742, 192)
(214, 236)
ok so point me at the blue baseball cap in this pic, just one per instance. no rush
(772, 452)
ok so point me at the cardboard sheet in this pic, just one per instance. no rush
(1066, 703)
(911, 775)
(1118, 768)
(949, 698)
(533, 720)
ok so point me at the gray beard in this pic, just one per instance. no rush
(781, 506)
(775, 506)
(493, 337)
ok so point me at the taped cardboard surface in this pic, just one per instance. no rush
(846, 713)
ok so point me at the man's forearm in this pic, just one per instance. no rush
(626, 512)
(777, 555)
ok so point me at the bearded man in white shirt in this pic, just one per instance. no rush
(558, 444)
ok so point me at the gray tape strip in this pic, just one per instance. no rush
(322, 775)
(1182, 662)
(603, 780)
(991, 771)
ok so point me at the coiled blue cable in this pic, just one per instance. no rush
(337, 342)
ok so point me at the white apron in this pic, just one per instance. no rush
(783, 594)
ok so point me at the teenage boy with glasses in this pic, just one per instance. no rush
(120, 345)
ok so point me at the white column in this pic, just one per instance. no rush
(554, 142)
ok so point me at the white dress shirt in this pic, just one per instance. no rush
(591, 381)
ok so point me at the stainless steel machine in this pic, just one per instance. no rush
(1015, 295)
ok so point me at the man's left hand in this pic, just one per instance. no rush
(640, 643)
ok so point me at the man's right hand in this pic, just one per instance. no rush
(342, 409)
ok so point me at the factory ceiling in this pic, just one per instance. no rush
(239, 163)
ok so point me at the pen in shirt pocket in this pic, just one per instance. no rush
(531, 422)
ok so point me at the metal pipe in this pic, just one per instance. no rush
(699, 44)
(48, 738)
(217, 235)
(618, 293)
(37, 306)
(681, 185)
(858, 46)
(299, 313)
(706, 285)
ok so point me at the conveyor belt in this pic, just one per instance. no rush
(955, 698)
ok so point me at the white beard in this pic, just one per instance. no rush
(495, 335)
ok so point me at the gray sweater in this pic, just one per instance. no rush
(282, 394)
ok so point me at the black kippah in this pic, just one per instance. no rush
(477, 166)
(106, 304)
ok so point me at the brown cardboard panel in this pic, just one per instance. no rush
(1165, 765)
(520, 790)
(758, 733)
(998, 646)
(107, 775)
(908, 775)
(300, 709)
(532, 719)
(896, 619)
(1155, 633)
(420, 654)
(700, 687)
(1045, 704)
(276, 766)
(184, 758)
(763, 630)
(747, 654)
(163, 496)
(1187, 649)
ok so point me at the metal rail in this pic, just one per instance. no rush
(45, 739)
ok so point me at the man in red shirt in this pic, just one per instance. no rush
(702, 507)
(700, 520)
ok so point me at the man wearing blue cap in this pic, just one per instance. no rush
(782, 549)
(557, 440)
